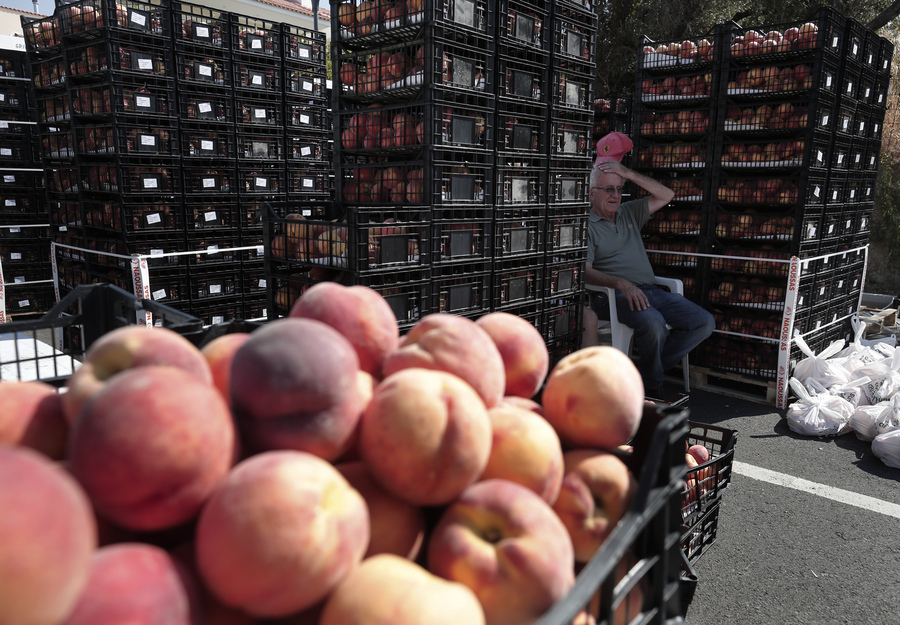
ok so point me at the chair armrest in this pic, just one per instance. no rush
(674, 284)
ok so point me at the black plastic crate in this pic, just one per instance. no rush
(882, 85)
(256, 36)
(207, 145)
(308, 181)
(564, 279)
(522, 80)
(573, 41)
(94, 61)
(211, 179)
(462, 240)
(691, 54)
(147, 20)
(521, 184)
(201, 26)
(14, 182)
(17, 149)
(785, 79)
(305, 116)
(851, 74)
(672, 221)
(49, 73)
(855, 46)
(169, 286)
(561, 322)
(53, 107)
(253, 112)
(110, 140)
(305, 82)
(199, 69)
(519, 281)
(784, 189)
(567, 233)
(696, 154)
(518, 233)
(814, 151)
(753, 358)
(303, 46)
(259, 179)
(745, 257)
(705, 484)
(42, 35)
(523, 26)
(570, 139)
(872, 156)
(218, 311)
(673, 254)
(219, 214)
(13, 96)
(461, 289)
(823, 34)
(155, 217)
(117, 98)
(28, 204)
(260, 144)
(307, 147)
(199, 109)
(217, 284)
(139, 177)
(760, 324)
(213, 250)
(865, 93)
(21, 273)
(800, 226)
(885, 56)
(256, 79)
(522, 129)
(787, 118)
(26, 300)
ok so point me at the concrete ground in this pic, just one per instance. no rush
(807, 530)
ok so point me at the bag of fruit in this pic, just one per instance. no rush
(818, 413)
(863, 420)
(856, 353)
(851, 391)
(825, 371)
(884, 380)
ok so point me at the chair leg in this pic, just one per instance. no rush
(686, 372)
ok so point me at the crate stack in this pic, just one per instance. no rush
(783, 170)
(572, 34)
(611, 114)
(25, 276)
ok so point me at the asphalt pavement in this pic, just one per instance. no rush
(808, 530)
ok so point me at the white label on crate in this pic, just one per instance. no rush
(212, 248)
(825, 119)
(205, 70)
(306, 212)
(847, 225)
(18, 279)
(845, 124)
(821, 156)
(304, 119)
(209, 215)
(145, 64)
(151, 183)
(148, 140)
(825, 260)
(260, 250)
(852, 193)
(840, 284)
(256, 79)
(154, 218)
(159, 294)
(259, 113)
(63, 229)
(868, 91)
(215, 289)
(855, 49)
(262, 283)
(158, 323)
(208, 183)
(5, 151)
(850, 87)
(264, 312)
(256, 43)
(303, 52)
(15, 255)
(15, 230)
(309, 183)
(307, 85)
(156, 252)
(831, 229)
(138, 18)
(4, 125)
(207, 145)
(305, 151)
(10, 202)
(261, 183)
(142, 102)
(24, 303)
(828, 81)
(202, 32)
(218, 319)
(840, 159)
(857, 158)
(204, 107)
(834, 41)
(9, 178)
(2, 97)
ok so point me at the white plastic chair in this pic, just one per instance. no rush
(622, 335)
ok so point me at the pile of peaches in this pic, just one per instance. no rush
(319, 469)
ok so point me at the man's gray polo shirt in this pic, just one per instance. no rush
(617, 248)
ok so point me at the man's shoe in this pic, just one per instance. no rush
(654, 393)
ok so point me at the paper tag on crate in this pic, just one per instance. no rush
(6, 152)
(10, 203)
(259, 113)
(24, 303)
(307, 86)
(18, 279)
(215, 289)
(262, 283)
(159, 294)
(260, 250)
(15, 255)
(208, 183)
(218, 319)
(155, 253)
(304, 119)
(209, 216)
(201, 31)
(15, 230)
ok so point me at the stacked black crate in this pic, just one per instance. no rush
(25, 276)
(674, 124)
(612, 113)
(413, 154)
(202, 39)
(779, 180)
(572, 44)
(519, 227)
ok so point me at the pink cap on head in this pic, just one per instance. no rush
(613, 147)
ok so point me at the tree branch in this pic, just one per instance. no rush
(883, 18)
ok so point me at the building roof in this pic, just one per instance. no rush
(324, 14)
(24, 12)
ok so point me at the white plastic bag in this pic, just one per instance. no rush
(863, 421)
(856, 354)
(851, 391)
(818, 414)
(884, 380)
(886, 448)
(828, 373)
(889, 418)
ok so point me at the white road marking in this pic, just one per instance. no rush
(828, 492)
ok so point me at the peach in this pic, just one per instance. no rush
(389, 590)
(396, 526)
(219, 353)
(294, 386)
(594, 398)
(523, 350)
(31, 415)
(280, 533)
(136, 583)
(597, 491)
(126, 348)
(425, 436)
(151, 446)
(360, 314)
(525, 449)
(457, 345)
(213, 611)
(48, 535)
(505, 543)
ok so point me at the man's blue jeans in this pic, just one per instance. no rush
(660, 348)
